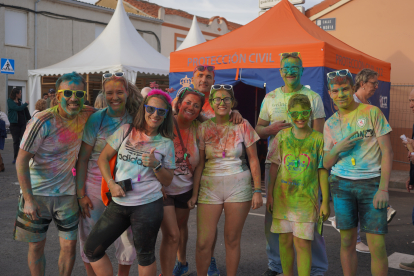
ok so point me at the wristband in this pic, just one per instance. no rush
(257, 191)
(80, 197)
(157, 168)
(383, 190)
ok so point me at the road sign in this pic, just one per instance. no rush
(264, 4)
(300, 8)
(7, 66)
(327, 24)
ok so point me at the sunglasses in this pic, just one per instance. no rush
(160, 111)
(293, 70)
(117, 74)
(201, 68)
(291, 54)
(221, 86)
(191, 90)
(341, 73)
(304, 114)
(68, 93)
(226, 100)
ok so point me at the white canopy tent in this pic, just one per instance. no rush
(194, 36)
(119, 48)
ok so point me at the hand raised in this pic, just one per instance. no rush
(149, 160)
(347, 143)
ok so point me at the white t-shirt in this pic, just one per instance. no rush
(55, 143)
(183, 176)
(215, 139)
(370, 123)
(97, 129)
(145, 185)
(275, 106)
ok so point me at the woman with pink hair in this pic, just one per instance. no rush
(145, 162)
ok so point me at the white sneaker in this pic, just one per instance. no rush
(391, 212)
(334, 225)
(362, 248)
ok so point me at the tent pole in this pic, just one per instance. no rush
(87, 88)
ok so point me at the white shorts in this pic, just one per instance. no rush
(229, 188)
(124, 245)
(302, 230)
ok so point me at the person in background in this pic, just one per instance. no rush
(52, 96)
(358, 151)
(409, 184)
(18, 116)
(4, 124)
(176, 211)
(123, 100)
(54, 102)
(145, 91)
(222, 180)
(48, 154)
(40, 106)
(45, 96)
(273, 118)
(100, 102)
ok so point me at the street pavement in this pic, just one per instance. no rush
(253, 261)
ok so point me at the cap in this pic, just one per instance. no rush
(52, 90)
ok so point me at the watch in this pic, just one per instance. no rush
(158, 167)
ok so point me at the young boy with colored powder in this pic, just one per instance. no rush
(44, 166)
(296, 173)
(358, 149)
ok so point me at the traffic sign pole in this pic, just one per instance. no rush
(7, 92)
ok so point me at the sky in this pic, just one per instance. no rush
(239, 11)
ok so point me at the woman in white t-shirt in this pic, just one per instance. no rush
(222, 179)
(123, 100)
(176, 212)
(145, 162)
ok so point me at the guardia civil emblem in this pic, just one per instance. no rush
(361, 122)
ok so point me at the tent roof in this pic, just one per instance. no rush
(118, 48)
(281, 29)
(194, 36)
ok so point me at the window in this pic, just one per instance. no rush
(178, 41)
(16, 28)
(99, 29)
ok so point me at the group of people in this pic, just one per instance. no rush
(121, 173)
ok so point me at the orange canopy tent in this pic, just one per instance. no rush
(250, 55)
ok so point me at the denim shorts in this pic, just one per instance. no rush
(353, 199)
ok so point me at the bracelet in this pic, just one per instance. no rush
(257, 191)
(80, 197)
(383, 190)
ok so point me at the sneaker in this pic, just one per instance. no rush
(407, 266)
(180, 269)
(212, 269)
(391, 212)
(362, 248)
(270, 272)
(334, 225)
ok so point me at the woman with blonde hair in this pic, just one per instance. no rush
(100, 102)
(123, 100)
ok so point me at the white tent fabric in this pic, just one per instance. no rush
(194, 36)
(119, 48)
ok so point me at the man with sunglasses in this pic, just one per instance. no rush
(357, 149)
(203, 80)
(45, 164)
(273, 118)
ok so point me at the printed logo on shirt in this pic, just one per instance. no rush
(181, 164)
(366, 133)
(361, 122)
(296, 166)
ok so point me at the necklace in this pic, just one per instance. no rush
(296, 162)
(223, 153)
(340, 126)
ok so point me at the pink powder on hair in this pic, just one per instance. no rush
(160, 92)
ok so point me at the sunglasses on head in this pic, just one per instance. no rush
(290, 54)
(68, 93)
(191, 90)
(304, 113)
(116, 74)
(341, 73)
(160, 111)
(202, 68)
(221, 86)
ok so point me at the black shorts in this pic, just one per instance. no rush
(145, 221)
(179, 201)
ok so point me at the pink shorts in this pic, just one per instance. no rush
(302, 230)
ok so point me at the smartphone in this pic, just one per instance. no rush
(126, 185)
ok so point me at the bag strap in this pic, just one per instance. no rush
(182, 145)
(126, 135)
